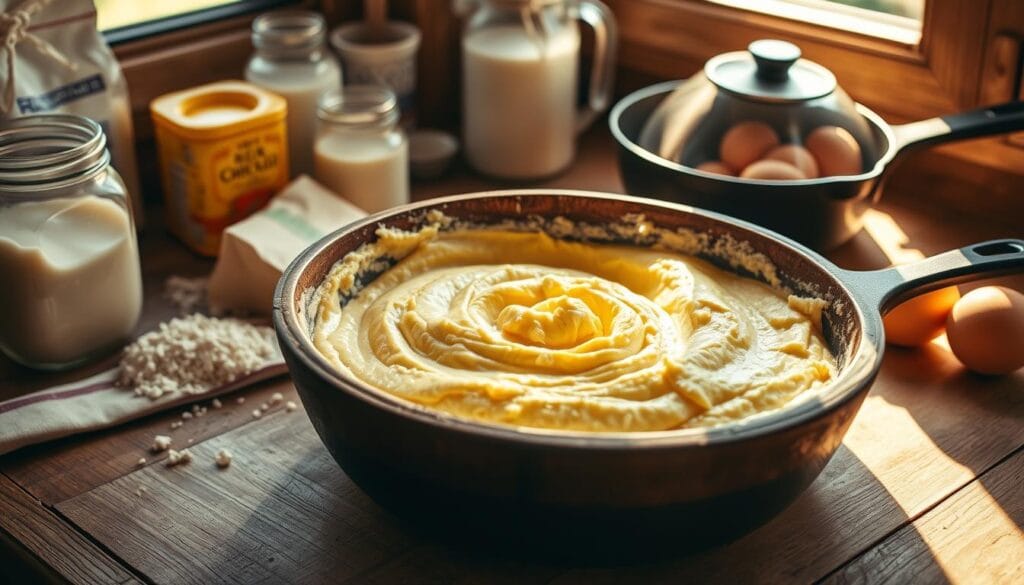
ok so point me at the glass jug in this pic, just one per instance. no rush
(520, 75)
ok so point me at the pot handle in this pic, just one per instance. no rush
(1008, 117)
(889, 287)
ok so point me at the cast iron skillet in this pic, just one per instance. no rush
(573, 492)
(821, 213)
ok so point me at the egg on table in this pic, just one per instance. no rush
(747, 142)
(835, 150)
(986, 330)
(920, 319)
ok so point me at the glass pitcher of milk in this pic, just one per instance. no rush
(520, 76)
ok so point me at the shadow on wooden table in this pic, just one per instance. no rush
(975, 425)
(325, 529)
(975, 420)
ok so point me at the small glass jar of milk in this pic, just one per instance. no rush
(72, 288)
(361, 152)
(292, 61)
(520, 65)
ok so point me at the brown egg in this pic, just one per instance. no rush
(714, 166)
(797, 156)
(920, 319)
(836, 151)
(986, 330)
(745, 143)
(772, 170)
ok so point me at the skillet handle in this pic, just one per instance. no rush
(1008, 117)
(889, 287)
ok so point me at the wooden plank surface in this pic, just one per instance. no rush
(284, 511)
(46, 538)
(973, 537)
(58, 470)
(915, 442)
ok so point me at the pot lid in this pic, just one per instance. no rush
(770, 71)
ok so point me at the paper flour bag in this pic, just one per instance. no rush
(255, 251)
(54, 60)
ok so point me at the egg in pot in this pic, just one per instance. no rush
(746, 143)
(752, 150)
(836, 151)
(797, 156)
(772, 170)
(714, 166)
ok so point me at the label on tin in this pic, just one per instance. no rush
(213, 184)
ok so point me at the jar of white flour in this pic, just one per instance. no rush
(70, 263)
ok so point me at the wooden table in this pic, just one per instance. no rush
(928, 485)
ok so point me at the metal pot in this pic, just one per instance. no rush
(595, 492)
(821, 212)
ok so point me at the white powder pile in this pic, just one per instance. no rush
(193, 355)
(187, 294)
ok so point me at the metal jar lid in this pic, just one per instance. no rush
(289, 33)
(50, 150)
(359, 106)
(770, 71)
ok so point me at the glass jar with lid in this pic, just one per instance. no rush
(72, 286)
(291, 60)
(361, 152)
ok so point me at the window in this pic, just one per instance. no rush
(126, 20)
(897, 20)
(111, 14)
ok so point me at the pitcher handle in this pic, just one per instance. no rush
(602, 75)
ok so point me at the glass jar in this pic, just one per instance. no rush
(520, 75)
(361, 152)
(72, 286)
(292, 61)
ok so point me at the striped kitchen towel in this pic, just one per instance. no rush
(96, 403)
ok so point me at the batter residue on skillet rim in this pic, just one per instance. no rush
(519, 328)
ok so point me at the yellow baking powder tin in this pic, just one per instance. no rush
(223, 154)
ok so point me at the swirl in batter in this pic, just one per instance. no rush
(522, 329)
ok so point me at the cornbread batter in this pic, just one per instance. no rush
(523, 329)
